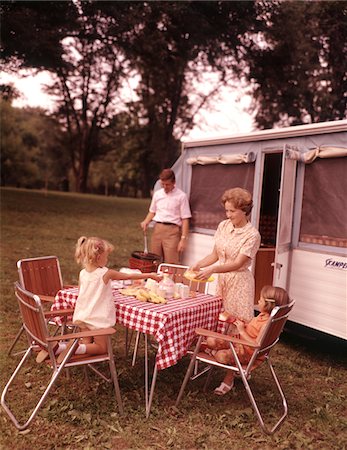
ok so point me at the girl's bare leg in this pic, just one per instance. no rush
(86, 340)
(225, 357)
(217, 344)
(98, 346)
(94, 346)
(229, 378)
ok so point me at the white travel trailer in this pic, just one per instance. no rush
(298, 177)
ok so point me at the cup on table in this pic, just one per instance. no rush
(178, 290)
(184, 291)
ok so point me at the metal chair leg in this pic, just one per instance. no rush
(189, 371)
(53, 379)
(114, 377)
(16, 339)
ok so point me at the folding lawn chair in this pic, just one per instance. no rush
(261, 353)
(35, 326)
(41, 276)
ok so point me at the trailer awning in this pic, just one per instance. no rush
(238, 158)
(319, 152)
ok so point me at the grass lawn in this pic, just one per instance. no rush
(312, 371)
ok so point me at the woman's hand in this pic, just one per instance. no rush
(195, 268)
(204, 274)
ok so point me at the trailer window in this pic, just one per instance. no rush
(208, 185)
(324, 212)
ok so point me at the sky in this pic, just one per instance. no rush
(226, 116)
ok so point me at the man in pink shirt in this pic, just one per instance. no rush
(171, 212)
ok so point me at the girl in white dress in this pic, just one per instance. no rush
(95, 306)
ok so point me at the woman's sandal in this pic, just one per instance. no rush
(223, 388)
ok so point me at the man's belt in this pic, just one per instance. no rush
(167, 223)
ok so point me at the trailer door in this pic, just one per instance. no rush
(285, 222)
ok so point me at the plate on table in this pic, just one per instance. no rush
(191, 276)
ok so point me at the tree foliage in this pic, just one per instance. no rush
(176, 44)
(32, 32)
(293, 55)
(298, 65)
(94, 45)
(32, 148)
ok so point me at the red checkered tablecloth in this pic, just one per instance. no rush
(172, 325)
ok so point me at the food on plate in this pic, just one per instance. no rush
(191, 275)
(130, 291)
(155, 298)
(143, 294)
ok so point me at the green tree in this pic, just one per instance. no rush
(124, 141)
(32, 148)
(172, 49)
(298, 65)
(91, 49)
(87, 68)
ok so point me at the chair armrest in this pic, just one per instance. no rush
(60, 312)
(46, 298)
(224, 337)
(82, 334)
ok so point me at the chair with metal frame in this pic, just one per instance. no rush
(35, 325)
(176, 273)
(41, 276)
(261, 353)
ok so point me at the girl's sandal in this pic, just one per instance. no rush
(42, 356)
(223, 388)
(62, 355)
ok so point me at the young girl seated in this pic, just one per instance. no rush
(251, 332)
(94, 306)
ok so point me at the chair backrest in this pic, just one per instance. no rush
(40, 275)
(176, 272)
(33, 318)
(274, 327)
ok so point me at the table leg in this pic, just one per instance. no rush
(128, 340)
(146, 371)
(149, 397)
(136, 347)
(154, 379)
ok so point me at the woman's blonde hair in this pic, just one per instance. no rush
(240, 198)
(88, 249)
(274, 296)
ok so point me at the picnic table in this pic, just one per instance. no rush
(172, 325)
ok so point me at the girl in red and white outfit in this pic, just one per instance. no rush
(251, 332)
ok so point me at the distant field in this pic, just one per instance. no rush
(35, 224)
(313, 373)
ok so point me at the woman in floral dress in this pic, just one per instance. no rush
(236, 245)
